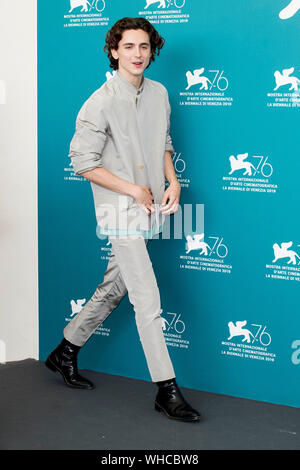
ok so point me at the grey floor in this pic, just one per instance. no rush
(39, 412)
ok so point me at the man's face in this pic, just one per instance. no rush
(133, 52)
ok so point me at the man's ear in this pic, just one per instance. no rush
(114, 53)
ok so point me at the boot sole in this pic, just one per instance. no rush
(161, 409)
(54, 368)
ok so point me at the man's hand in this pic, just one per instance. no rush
(144, 198)
(172, 194)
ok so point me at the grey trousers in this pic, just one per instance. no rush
(129, 270)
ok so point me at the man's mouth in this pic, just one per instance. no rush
(137, 63)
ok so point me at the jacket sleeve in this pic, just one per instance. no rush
(89, 139)
(169, 144)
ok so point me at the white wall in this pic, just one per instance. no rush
(18, 181)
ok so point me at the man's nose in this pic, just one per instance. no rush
(138, 52)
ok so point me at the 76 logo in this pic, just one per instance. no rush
(263, 166)
(218, 247)
(196, 242)
(179, 163)
(261, 335)
(174, 323)
(219, 80)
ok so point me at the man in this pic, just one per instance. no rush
(123, 147)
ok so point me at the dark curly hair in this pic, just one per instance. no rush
(114, 36)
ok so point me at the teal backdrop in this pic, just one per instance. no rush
(230, 296)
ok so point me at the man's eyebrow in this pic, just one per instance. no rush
(132, 44)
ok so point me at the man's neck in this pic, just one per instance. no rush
(136, 81)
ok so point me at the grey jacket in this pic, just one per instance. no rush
(126, 131)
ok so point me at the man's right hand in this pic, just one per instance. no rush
(144, 198)
(142, 194)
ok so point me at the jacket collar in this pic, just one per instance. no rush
(128, 86)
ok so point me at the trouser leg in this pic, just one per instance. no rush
(137, 272)
(105, 299)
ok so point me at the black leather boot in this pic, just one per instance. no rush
(169, 399)
(64, 360)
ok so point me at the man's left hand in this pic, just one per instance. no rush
(172, 193)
